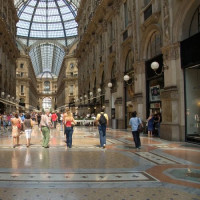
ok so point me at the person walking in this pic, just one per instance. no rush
(69, 122)
(150, 122)
(28, 124)
(45, 125)
(16, 126)
(54, 118)
(102, 122)
(135, 122)
(5, 122)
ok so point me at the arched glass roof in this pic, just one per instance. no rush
(47, 19)
(47, 57)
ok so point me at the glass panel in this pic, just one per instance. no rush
(192, 77)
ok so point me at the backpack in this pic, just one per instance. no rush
(102, 119)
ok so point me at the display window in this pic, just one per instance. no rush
(192, 96)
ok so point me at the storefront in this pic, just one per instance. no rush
(155, 83)
(190, 62)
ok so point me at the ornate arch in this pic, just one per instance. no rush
(183, 18)
(146, 38)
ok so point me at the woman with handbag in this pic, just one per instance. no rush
(136, 123)
(16, 127)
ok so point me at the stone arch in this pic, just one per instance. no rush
(183, 18)
(146, 38)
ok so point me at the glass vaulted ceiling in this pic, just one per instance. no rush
(47, 21)
(47, 57)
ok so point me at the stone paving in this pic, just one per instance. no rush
(159, 170)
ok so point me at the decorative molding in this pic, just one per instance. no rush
(153, 19)
(119, 101)
(135, 32)
(166, 22)
(171, 52)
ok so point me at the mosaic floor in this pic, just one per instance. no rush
(160, 170)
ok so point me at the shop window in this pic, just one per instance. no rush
(192, 77)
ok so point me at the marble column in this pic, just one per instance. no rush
(172, 97)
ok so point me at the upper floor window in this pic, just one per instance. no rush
(148, 9)
(46, 86)
(154, 46)
(22, 89)
(146, 2)
(129, 62)
(111, 32)
(71, 89)
(71, 65)
(22, 65)
(125, 14)
(22, 74)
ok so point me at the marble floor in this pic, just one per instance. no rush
(160, 170)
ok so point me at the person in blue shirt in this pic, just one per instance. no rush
(135, 122)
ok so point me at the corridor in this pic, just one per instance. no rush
(159, 170)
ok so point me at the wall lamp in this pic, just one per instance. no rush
(91, 93)
(99, 90)
(127, 78)
(155, 66)
(110, 85)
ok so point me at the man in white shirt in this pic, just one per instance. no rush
(45, 125)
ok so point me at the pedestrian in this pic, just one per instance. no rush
(157, 121)
(102, 122)
(16, 127)
(69, 122)
(150, 122)
(54, 118)
(28, 124)
(45, 125)
(5, 122)
(38, 118)
(135, 122)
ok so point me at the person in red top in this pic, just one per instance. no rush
(68, 121)
(54, 118)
